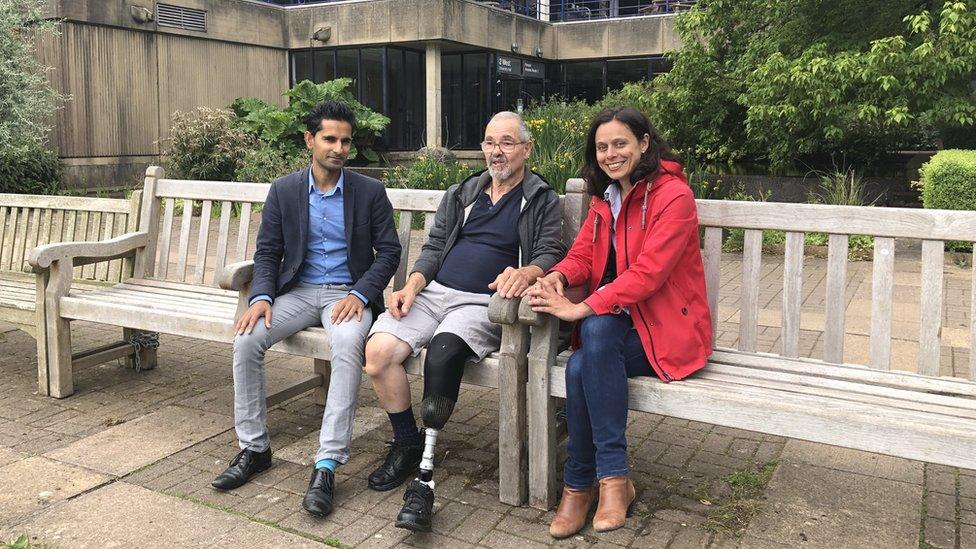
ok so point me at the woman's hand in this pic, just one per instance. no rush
(544, 298)
(554, 281)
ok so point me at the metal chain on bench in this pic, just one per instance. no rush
(143, 340)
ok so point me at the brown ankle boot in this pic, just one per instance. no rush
(617, 495)
(571, 514)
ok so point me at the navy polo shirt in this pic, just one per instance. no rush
(489, 242)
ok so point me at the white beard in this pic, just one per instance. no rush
(500, 174)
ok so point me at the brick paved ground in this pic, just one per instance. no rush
(57, 489)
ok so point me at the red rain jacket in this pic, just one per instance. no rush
(660, 277)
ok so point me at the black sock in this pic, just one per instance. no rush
(405, 430)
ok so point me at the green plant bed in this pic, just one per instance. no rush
(860, 247)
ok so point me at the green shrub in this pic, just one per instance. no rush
(949, 180)
(839, 188)
(428, 171)
(285, 127)
(559, 133)
(264, 163)
(29, 171)
(632, 94)
(205, 144)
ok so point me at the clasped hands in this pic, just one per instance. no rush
(547, 296)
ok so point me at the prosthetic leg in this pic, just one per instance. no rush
(443, 368)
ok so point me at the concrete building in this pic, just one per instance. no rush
(437, 68)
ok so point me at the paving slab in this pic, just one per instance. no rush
(121, 449)
(150, 519)
(37, 482)
(814, 506)
(854, 461)
(302, 451)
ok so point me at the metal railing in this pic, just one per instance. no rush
(563, 10)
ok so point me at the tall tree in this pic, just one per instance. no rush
(27, 99)
(787, 80)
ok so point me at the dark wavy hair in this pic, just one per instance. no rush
(329, 110)
(650, 163)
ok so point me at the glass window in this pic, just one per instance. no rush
(301, 66)
(584, 80)
(476, 105)
(347, 66)
(619, 72)
(324, 66)
(451, 102)
(371, 69)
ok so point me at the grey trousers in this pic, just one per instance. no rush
(304, 306)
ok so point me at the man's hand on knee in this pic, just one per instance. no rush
(513, 282)
(251, 315)
(349, 307)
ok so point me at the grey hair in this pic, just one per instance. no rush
(523, 131)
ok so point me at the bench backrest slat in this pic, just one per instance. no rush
(882, 285)
(749, 301)
(165, 235)
(713, 270)
(243, 229)
(223, 233)
(972, 320)
(929, 344)
(836, 309)
(403, 234)
(184, 242)
(203, 242)
(792, 294)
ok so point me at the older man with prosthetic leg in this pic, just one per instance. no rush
(498, 230)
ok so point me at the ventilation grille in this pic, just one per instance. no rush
(181, 18)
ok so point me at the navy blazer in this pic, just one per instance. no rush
(283, 236)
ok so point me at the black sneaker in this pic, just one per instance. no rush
(418, 506)
(318, 497)
(401, 463)
(243, 467)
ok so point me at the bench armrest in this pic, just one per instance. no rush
(503, 311)
(527, 316)
(82, 253)
(236, 275)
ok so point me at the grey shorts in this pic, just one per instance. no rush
(438, 309)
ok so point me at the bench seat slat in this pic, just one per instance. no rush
(850, 372)
(208, 290)
(189, 292)
(843, 390)
(912, 435)
(187, 301)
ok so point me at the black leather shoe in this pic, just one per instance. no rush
(242, 468)
(418, 506)
(401, 463)
(318, 497)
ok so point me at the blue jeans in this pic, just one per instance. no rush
(596, 398)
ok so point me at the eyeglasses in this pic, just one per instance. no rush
(505, 146)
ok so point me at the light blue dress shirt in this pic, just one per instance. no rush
(325, 254)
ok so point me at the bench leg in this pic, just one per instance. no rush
(542, 415)
(60, 381)
(324, 369)
(40, 334)
(512, 427)
(147, 358)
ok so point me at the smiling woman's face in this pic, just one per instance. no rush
(618, 150)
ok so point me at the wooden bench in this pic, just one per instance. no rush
(174, 291)
(918, 415)
(27, 221)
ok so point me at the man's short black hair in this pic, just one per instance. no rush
(329, 110)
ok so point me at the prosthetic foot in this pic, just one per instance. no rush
(418, 500)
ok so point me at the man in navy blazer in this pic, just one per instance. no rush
(326, 249)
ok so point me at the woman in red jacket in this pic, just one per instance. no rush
(646, 314)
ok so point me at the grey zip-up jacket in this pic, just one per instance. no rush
(539, 223)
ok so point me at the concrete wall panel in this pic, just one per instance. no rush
(362, 23)
(466, 23)
(582, 40)
(635, 36)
